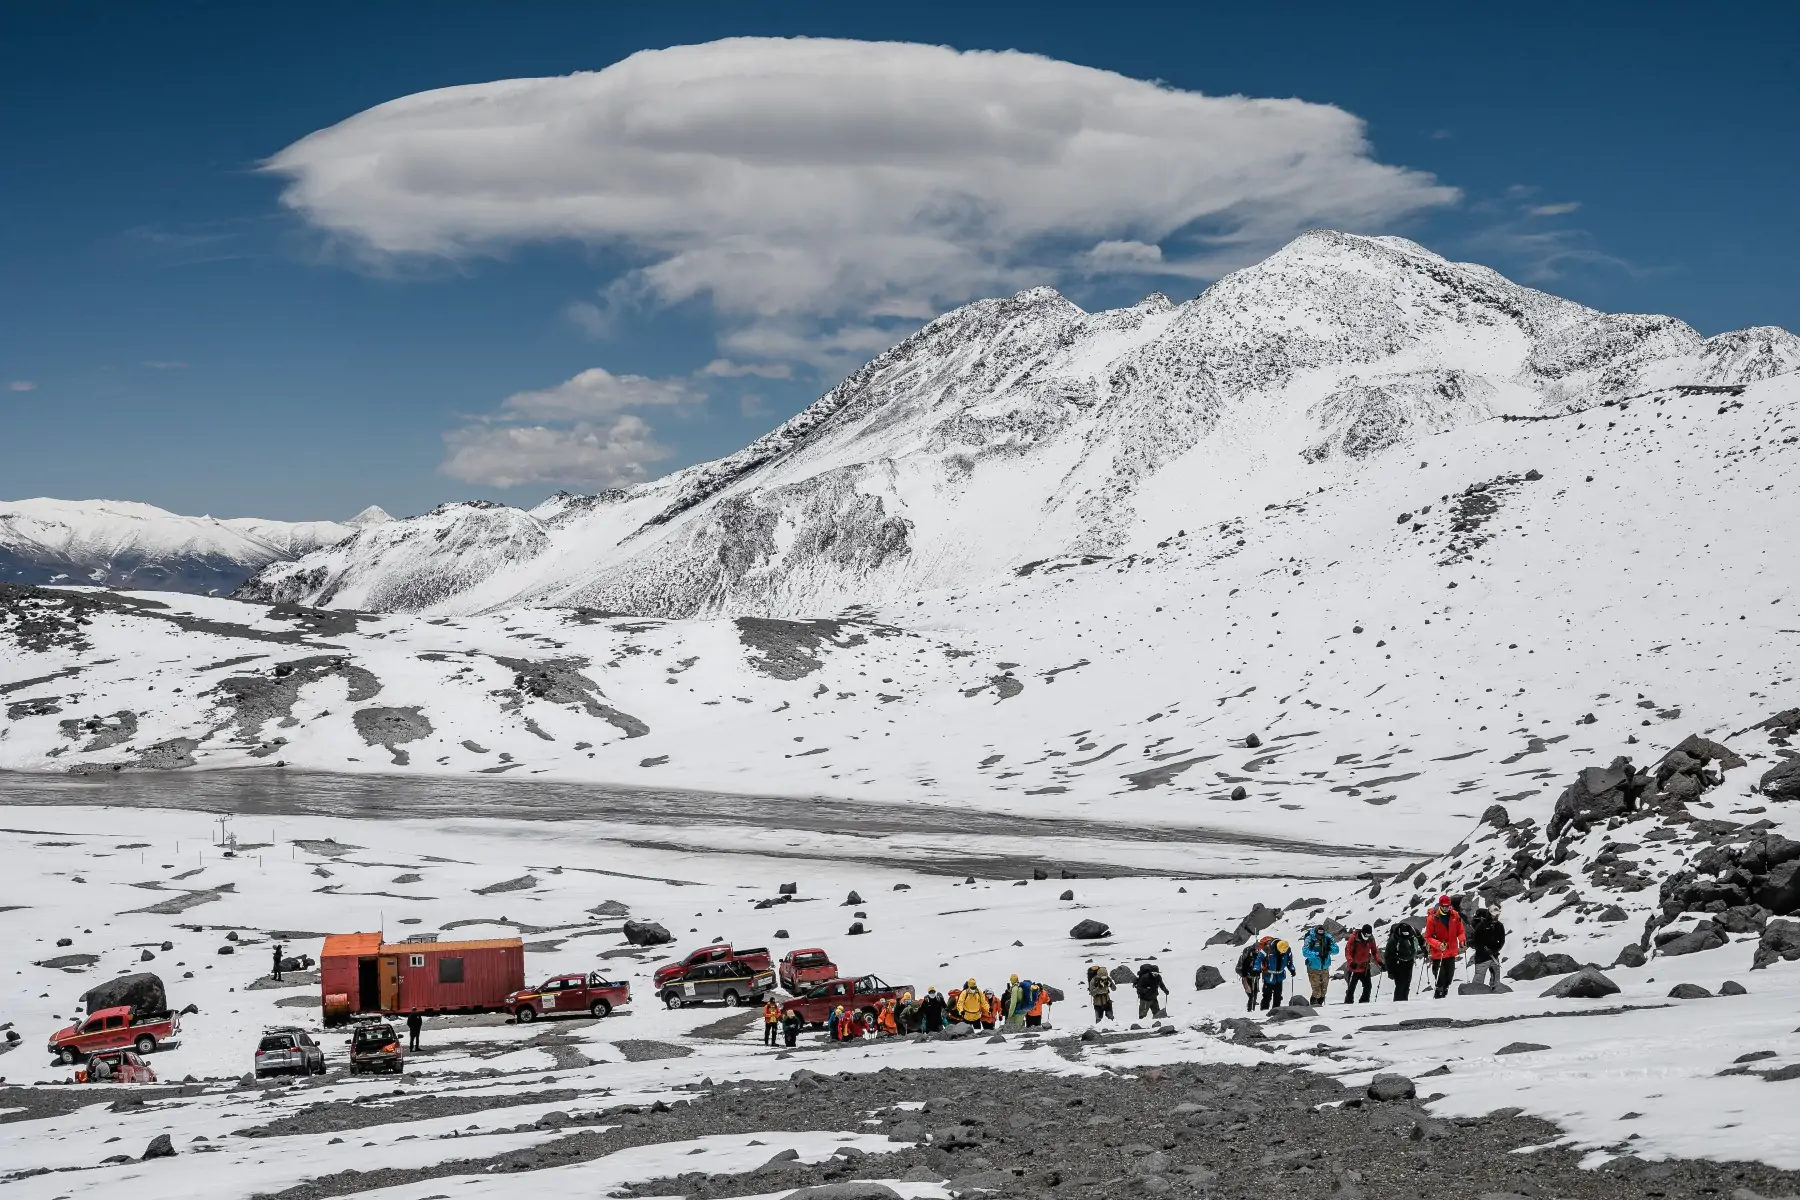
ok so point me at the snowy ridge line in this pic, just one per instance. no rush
(1021, 429)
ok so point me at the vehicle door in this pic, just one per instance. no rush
(116, 1034)
(702, 983)
(571, 994)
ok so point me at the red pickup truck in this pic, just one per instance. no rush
(115, 1066)
(860, 992)
(801, 969)
(752, 960)
(114, 1029)
(591, 994)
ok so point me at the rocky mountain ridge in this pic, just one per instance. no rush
(1021, 428)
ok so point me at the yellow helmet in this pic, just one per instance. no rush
(1015, 977)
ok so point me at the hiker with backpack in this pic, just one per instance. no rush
(1317, 948)
(1150, 988)
(1100, 990)
(1403, 949)
(1246, 973)
(1361, 957)
(1274, 962)
(1445, 939)
(1486, 938)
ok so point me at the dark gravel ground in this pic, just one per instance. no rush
(1259, 1132)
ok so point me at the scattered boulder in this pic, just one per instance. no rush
(1481, 989)
(1207, 977)
(1521, 1048)
(788, 889)
(1598, 794)
(1240, 792)
(1781, 781)
(1689, 991)
(1702, 937)
(161, 1146)
(1387, 1088)
(1631, 956)
(1253, 741)
(852, 898)
(142, 991)
(228, 948)
(856, 929)
(1259, 918)
(1090, 929)
(1538, 965)
(647, 933)
(1732, 987)
(1585, 984)
(145, 955)
(63, 941)
(1068, 894)
(780, 935)
(1780, 943)
(1497, 816)
(1039, 873)
(1123, 974)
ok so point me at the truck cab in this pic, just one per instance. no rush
(591, 994)
(800, 969)
(756, 959)
(114, 1029)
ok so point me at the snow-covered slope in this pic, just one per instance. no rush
(1017, 429)
(115, 543)
(1467, 622)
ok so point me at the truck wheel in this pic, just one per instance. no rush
(870, 1013)
(526, 1014)
(600, 1008)
(145, 1044)
(672, 999)
(68, 1056)
(732, 1000)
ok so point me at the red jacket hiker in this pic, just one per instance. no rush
(1359, 953)
(1444, 933)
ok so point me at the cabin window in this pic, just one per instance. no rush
(115, 1022)
(416, 960)
(450, 970)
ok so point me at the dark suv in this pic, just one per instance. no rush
(732, 981)
(288, 1052)
(374, 1046)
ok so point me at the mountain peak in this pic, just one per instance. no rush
(372, 515)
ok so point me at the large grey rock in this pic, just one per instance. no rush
(1701, 937)
(1123, 974)
(1689, 991)
(1089, 929)
(1537, 965)
(1732, 987)
(160, 1147)
(142, 990)
(647, 933)
(1782, 781)
(1780, 943)
(1207, 977)
(1631, 956)
(1392, 1087)
(1585, 984)
(1259, 918)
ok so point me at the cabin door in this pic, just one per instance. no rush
(390, 984)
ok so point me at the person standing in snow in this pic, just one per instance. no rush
(1274, 962)
(1318, 948)
(1246, 973)
(790, 1028)
(1149, 983)
(931, 1012)
(1100, 990)
(415, 1025)
(1015, 1003)
(1361, 957)
(1037, 1001)
(1445, 939)
(771, 1020)
(971, 1007)
(1403, 950)
(275, 971)
(1486, 938)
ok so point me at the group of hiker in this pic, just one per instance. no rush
(1146, 981)
(1440, 940)
(1021, 1004)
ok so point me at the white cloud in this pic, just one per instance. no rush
(164, 365)
(800, 182)
(599, 455)
(1554, 210)
(724, 368)
(583, 432)
(596, 392)
(21, 385)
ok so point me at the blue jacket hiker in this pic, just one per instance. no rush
(1275, 962)
(1318, 948)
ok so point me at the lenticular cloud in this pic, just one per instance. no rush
(812, 177)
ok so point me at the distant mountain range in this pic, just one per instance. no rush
(114, 543)
(1013, 430)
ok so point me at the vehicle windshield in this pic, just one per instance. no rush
(279, 1041)
(811, 958)
(376, 1038)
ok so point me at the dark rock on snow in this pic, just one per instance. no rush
(1780, 943)
(1689, 991)
(1585, 984)
(1392, 1087)
(1090, 929)
(647, 933)
(160, 1147)
(1207, 977)
(1538, 965)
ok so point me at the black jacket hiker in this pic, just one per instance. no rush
(1403, 949)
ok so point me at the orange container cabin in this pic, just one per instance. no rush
(361, 973)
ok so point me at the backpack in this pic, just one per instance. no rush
(1246, 963)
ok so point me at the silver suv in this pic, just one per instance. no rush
(288, 1052)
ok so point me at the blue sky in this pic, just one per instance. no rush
(172, 330)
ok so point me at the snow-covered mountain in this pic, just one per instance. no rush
(113, 543)
(1019, 429)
